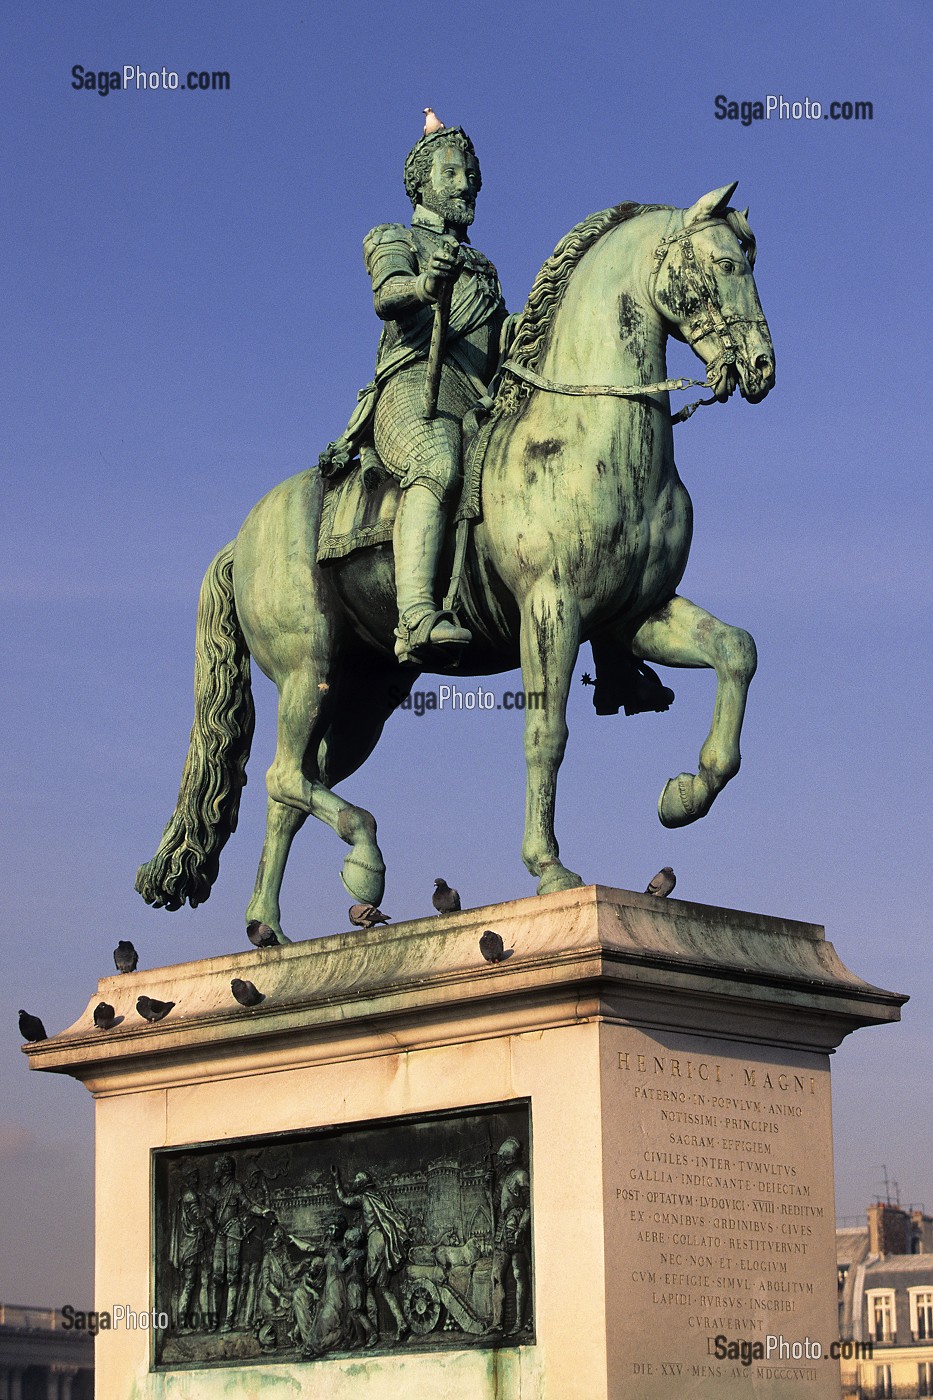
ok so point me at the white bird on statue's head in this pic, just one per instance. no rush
(432, 121)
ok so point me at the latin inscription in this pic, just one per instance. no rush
(722, 1192)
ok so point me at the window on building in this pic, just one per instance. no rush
(921, 1313)
(925, 1378)
(880, 1314)
(883, 1387)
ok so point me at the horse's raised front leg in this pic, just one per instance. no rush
(550, 640)
(682, 634)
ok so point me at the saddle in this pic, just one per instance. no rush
(358, 510)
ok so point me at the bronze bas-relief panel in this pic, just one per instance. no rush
(408, 1234)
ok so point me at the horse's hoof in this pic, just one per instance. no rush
(555, 876)
(364, 881)
(684, 800)
(255, 924)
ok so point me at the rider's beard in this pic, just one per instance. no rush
(459, 211)
(453, 210)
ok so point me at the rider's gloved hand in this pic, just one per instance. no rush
(443, 266)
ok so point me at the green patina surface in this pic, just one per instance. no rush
(581, 529)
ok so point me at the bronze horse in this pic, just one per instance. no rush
(583, 534)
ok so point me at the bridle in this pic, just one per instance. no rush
(711, 320)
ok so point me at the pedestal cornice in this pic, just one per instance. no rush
(584, 954)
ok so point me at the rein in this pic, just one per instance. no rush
(618, 391)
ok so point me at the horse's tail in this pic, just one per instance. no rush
(186, 863)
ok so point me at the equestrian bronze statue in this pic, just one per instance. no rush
(541, 483)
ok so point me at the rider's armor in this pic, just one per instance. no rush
(411, 447)
(390, 420)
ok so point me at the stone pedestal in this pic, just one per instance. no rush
(674, 1062)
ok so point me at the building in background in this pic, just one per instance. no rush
(885, 1279)
(40, 1360)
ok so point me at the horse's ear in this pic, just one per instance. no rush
(710, 204)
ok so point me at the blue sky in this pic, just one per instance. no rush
(188, 320)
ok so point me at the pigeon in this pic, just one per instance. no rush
(260, 934)
(444, 899)
(104, 1016)
(245, 993)
(492, 947)
(30, 1027)
(663, 883)
(432, 121)
(366, 915)
(125, 956)
(152, 1010)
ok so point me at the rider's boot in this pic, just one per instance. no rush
(422, 627)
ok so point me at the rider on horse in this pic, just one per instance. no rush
(411, 269)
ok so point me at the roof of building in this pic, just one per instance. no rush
(851, 1245)
(899, 1271)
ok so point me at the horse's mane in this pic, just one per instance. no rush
(533, 328)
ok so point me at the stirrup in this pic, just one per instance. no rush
(432, 628)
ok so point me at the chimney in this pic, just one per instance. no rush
(890, 1229)
(922, 1232)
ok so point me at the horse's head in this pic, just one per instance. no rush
(703, 288)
